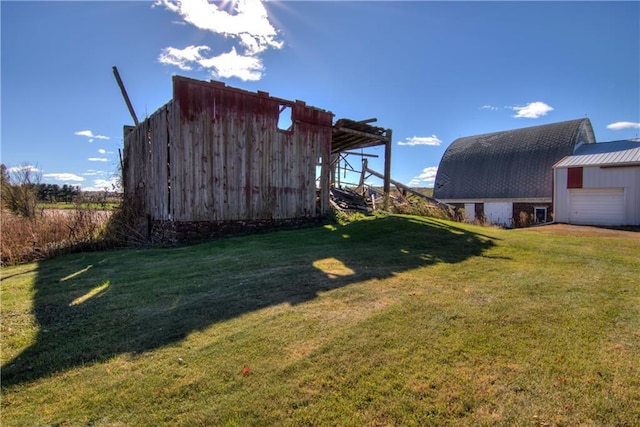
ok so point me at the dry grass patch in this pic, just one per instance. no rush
(49, 232)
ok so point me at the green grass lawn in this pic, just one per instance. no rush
(108, 206)
(388, 321)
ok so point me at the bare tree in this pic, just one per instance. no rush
(19, 189)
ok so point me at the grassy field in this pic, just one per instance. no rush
(388, 321)
(108, 206)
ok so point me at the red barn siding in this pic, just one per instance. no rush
(215, 153)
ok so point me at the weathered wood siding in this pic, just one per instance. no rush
(215, 153)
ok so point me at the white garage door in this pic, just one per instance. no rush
(499, 213)
(596, 206)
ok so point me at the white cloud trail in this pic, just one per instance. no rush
(90, 134)
(63, 176)
(623, 125)
(421, 140)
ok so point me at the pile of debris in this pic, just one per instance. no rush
(348, 200)
(368, 199)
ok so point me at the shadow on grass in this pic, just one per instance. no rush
(91, 307)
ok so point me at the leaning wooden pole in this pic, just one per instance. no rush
(387, 170)
(125, 96)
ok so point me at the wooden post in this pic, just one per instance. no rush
(365, 166)
(125, 96)
(332, 170)
(387, 169)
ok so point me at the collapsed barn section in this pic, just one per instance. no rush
(219, 160)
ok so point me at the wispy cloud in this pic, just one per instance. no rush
(102, 184)
(182, 58)
(532, 110)
(421, 140)
(103, 151)
(489, 107)
(427, 177)
(63, 176)
(92, 172)
(105, 183)
(623, 125)
(23, 168)
(233, 65)
(98, 159)
(90, 135)
(247, 24)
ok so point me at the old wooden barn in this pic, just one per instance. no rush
(216, 160)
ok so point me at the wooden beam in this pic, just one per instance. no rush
(125, 96)
(365, 166)
(387, 170)
(405, 188)
(383, 139)
(360, 154)
(396, 183)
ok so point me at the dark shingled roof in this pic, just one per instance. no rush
(512, 164)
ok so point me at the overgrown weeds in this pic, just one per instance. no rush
(50, 232)
(85, 226)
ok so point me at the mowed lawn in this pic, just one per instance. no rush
(385, 321)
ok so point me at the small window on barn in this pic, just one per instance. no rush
(540, 214)
(284, 118)
(574, 178)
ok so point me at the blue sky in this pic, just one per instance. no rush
(430, 71)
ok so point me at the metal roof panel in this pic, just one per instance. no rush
(603, 154)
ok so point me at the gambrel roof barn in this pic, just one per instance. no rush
(500, 174)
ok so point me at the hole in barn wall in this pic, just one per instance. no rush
(284, 118)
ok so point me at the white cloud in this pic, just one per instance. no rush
(488, 107)
(623, 125)
(421, 140)
(98, 159)
(222, 66)
(90, 135)
(63, 176)
(181, 58)
(249, 21)
(23, 168)
(247, 24)
(92, 172)
(532, 110)
(103, 151)
(427, 177)
(101, 184)
(233, 65)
